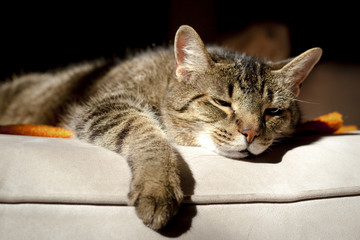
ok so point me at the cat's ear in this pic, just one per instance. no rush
(294, 71)
(190, 53)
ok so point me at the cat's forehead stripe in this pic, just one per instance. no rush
(270, 95)
(250, 76)
(231, 90)
(239, 66)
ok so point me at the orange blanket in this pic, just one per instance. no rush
(328, 123)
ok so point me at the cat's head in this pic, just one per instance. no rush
(229, 102)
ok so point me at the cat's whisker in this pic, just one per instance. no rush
(300, 100)
(303, 101)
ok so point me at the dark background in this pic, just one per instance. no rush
(44, 36)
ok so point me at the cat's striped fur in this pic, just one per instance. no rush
(228, 102)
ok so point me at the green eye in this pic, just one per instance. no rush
(273, 111)
(222, 102)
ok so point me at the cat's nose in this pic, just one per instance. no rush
(250, 135)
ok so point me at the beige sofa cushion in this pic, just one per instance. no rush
(308, 188)
(50, 170)
(328, 219)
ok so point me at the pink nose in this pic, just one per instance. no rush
(250, 135)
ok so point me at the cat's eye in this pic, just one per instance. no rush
(221, 102)
(273, 112)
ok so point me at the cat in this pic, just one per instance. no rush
(231, 103)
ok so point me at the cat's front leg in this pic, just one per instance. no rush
(155, 187)
(134, 132)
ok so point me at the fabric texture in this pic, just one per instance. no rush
(66, 189)
(332, 218)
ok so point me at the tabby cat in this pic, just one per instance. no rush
(228, 102)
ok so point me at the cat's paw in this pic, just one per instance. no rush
(155, 203)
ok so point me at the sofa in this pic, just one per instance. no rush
(306, 187)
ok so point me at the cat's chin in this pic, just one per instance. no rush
(234, 154)
(239, 150)
(251, 150)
